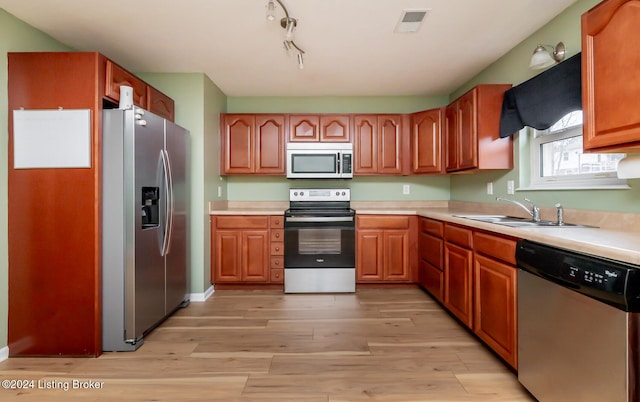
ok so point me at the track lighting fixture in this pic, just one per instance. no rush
(289, 24)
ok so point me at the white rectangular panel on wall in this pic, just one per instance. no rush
(51, 139)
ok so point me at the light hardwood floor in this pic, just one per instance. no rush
(377, 344)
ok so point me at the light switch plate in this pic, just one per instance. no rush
(406, 189)
(511, 187)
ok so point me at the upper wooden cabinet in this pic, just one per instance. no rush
(610, 80)
(378, 144)
(426, 144)
(326, 128)
(253, 144)
(160, 104)
(472, 125)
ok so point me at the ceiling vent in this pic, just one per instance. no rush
(410, 21)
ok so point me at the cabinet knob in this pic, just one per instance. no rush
(277, 235)
(277, 262)
(277, 221)
(278, 275)
(277, 248)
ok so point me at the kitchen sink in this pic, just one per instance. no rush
(517, 222)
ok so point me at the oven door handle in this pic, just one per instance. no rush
(319, 219)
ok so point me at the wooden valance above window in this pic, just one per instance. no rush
(544, 99)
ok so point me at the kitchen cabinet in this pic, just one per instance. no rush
(323, 127)
(431, 254)
(495, 294)
(47, 316)
(160, 104)
(610, 82)
(378, 145)
(382, 248)
(426, 143)
(276, 225)
(240, 249)
(458, 272)
(471, 126)
(253, 144)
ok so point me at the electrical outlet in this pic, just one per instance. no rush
(406, 189)
(511, 187)
(490, 188)
(219, 191)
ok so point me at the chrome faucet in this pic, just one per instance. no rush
(534, 212)
(560, 214)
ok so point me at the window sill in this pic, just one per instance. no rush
(543, 187)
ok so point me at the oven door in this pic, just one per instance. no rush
(319, 242)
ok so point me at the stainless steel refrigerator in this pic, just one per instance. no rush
(145, 224)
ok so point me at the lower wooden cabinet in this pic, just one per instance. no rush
(458, 272)
(495, 295)
(382, 248)
(245, 248)
(431, 255)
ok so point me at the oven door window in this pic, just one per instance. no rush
(319, 241)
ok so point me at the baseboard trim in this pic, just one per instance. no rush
(4, 353)
(202, 297)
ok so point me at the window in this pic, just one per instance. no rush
(557, 160)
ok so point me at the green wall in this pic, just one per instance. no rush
(387, 188)
(15, 36)
(199, 103)
(513, 68)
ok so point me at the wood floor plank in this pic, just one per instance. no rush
(394, 344)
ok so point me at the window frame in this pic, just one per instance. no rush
(598, 180)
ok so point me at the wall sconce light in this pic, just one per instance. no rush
(547, 55)
(289, 24)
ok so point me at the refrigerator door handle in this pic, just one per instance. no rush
(170, 207)
(167, 190)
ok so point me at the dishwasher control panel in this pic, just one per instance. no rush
(614, 282)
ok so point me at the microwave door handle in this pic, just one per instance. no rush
(338, 165)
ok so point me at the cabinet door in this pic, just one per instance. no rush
(467, 131)
(160, 104)
(431, 249)
(304, 128)
(457, 282)
(238, 143)
(425, 141)
(396, 255)
(610, 82)
(255, 256)
(365, 137)
(335, 128)
(451, 137)
(269, 144)
(389, 144)
(431, 278)
(495, 307)
(369, 248)
(227, 259)
(117, 76)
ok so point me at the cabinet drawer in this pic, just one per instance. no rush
(431, 279)
(276, 222)
(495, 247)
(277, 275)
(277, 248)
(458, 235)
(431, 226)
(383, 222)
(277, 261)
(242, 222)
(277, 235)
(117, 76)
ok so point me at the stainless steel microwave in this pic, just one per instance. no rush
(319, 160)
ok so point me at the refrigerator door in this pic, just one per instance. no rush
(145, 279)
(177, 148)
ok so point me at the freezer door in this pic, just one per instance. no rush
(146, 277)
(177, 151)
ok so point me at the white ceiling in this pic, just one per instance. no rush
(351, 49)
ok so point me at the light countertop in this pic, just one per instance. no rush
(615, 236)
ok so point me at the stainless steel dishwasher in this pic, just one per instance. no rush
(578, 325)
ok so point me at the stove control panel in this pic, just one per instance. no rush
(319, 194)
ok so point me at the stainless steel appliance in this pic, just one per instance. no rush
(319, 160)
(319, 242)
(145, 224)
(578, 325)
